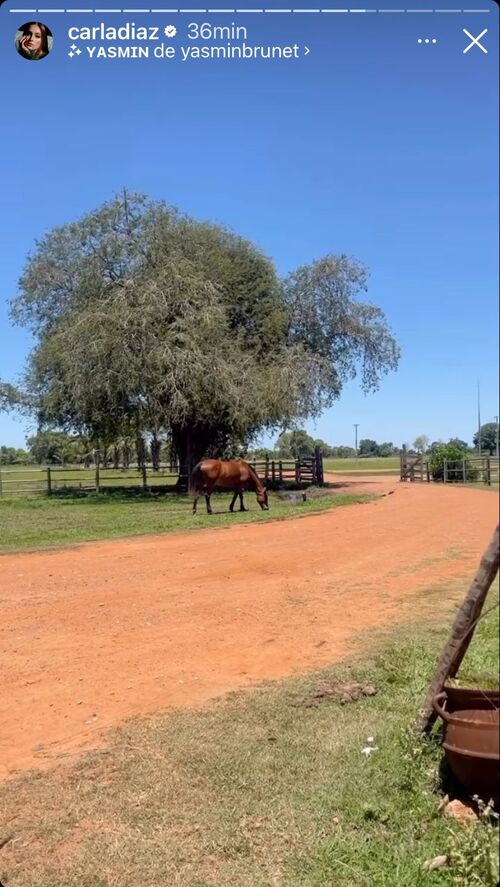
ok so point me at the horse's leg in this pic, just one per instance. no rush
(195, 500)
(242, 507)
(207, 500)
(233, 500)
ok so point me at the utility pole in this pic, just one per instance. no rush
(356, 426)
(125, 207)
(478, 419)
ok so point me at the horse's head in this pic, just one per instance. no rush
(262, 499)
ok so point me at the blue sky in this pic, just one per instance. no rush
(373, 145)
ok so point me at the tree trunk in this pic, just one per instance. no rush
(155, 452)
(116, 456)
(463, 629)
(125, 455)
(141, 451)
(191, 444)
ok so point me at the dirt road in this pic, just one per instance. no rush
(93, 634)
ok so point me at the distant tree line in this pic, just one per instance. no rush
(489, 442)
(13, 456)
(299, 444)
(61, 448)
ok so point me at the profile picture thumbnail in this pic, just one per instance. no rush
(33, 41)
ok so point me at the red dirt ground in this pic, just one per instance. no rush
(93, 634)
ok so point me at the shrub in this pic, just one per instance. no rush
(452, 453)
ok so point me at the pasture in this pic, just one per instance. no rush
(34, 479)
(43, 522)
(387, 465)
(30, 480)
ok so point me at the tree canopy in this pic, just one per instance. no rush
(489, 438)
(147, 321)
(295, 444)
(13, 456)
(458, 442)
(57, 448)
(368, 447)
(421, 443)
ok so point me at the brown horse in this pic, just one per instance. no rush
(235, 475)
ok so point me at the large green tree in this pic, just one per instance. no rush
(386, 449)
(295, 444)
(368, 447)
(489, 438)
(13, 456)
(148, 322)
(57, 447)
(458, 442)
(421, 443)
(326, 448)
(345, 336)
(12, 397)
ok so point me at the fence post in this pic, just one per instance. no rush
(1, 482)
(280, 467)
(297, 471)
(97, 479)
(464, 470)
(318, 466)
(267, 467)
(144, 476)
(403, 466)
(488, 471)
(445, 471)
(462, 630)
(49, 482)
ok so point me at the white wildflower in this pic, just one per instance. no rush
(368, 750)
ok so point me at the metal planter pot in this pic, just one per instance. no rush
(471, 738)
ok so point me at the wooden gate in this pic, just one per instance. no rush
(414, 468)
(299, 471)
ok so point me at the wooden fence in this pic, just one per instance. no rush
(469, 470)
(50, 480)
(298, 471)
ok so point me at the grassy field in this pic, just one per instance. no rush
(388, 465)
(41, 522)
(15, 480)
(263, 788)
(33, 478)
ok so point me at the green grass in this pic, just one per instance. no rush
(38, 522)
(480, 666)
(388, 465)
(258, 789)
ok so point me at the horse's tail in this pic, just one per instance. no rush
(195, 480)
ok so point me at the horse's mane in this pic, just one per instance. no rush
(254, 475)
